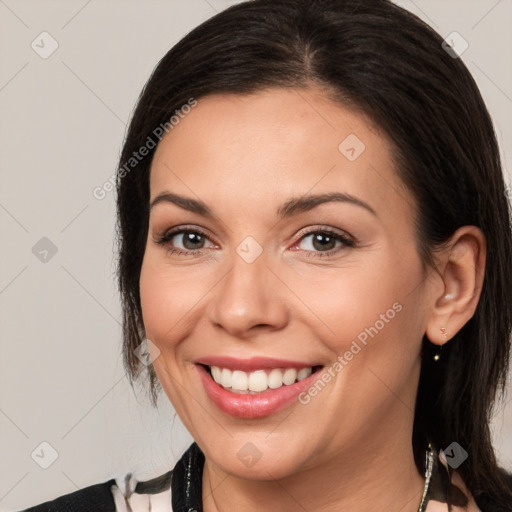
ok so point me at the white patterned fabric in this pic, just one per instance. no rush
(129, 498)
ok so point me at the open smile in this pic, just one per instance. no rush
(257, 393)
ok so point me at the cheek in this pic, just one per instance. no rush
(172, 298)
(164, 301)
(371, 315)
(349, 300)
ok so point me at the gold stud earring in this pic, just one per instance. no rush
(437, 355)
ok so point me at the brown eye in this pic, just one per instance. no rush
(190, 239)
(323, 242)
(184, 241)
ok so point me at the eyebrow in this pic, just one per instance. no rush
(291, 207)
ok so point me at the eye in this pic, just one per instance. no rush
(318, 243)
(323, 242)
(184, 241)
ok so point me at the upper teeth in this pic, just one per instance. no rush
(258, 380)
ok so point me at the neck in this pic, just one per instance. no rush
(370, 476)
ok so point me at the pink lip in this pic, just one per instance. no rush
(249, 406)
(252, 364)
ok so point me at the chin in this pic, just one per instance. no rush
(253, 457)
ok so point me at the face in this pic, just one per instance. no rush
(281, 283)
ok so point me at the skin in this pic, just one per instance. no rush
(244, 156)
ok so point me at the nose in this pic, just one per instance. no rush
(249, 299)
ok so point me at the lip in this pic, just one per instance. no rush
(253, 363)
(248, 406)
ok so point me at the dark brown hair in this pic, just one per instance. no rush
(375, 57)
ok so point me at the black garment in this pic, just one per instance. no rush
(185, 482)
(96, 497)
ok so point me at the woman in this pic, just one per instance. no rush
(315, 266)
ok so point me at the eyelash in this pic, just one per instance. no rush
(167, 237)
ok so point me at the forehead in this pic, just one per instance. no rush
(277, 142)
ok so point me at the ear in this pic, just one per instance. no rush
(461, 267)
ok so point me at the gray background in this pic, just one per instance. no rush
(62, 121)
